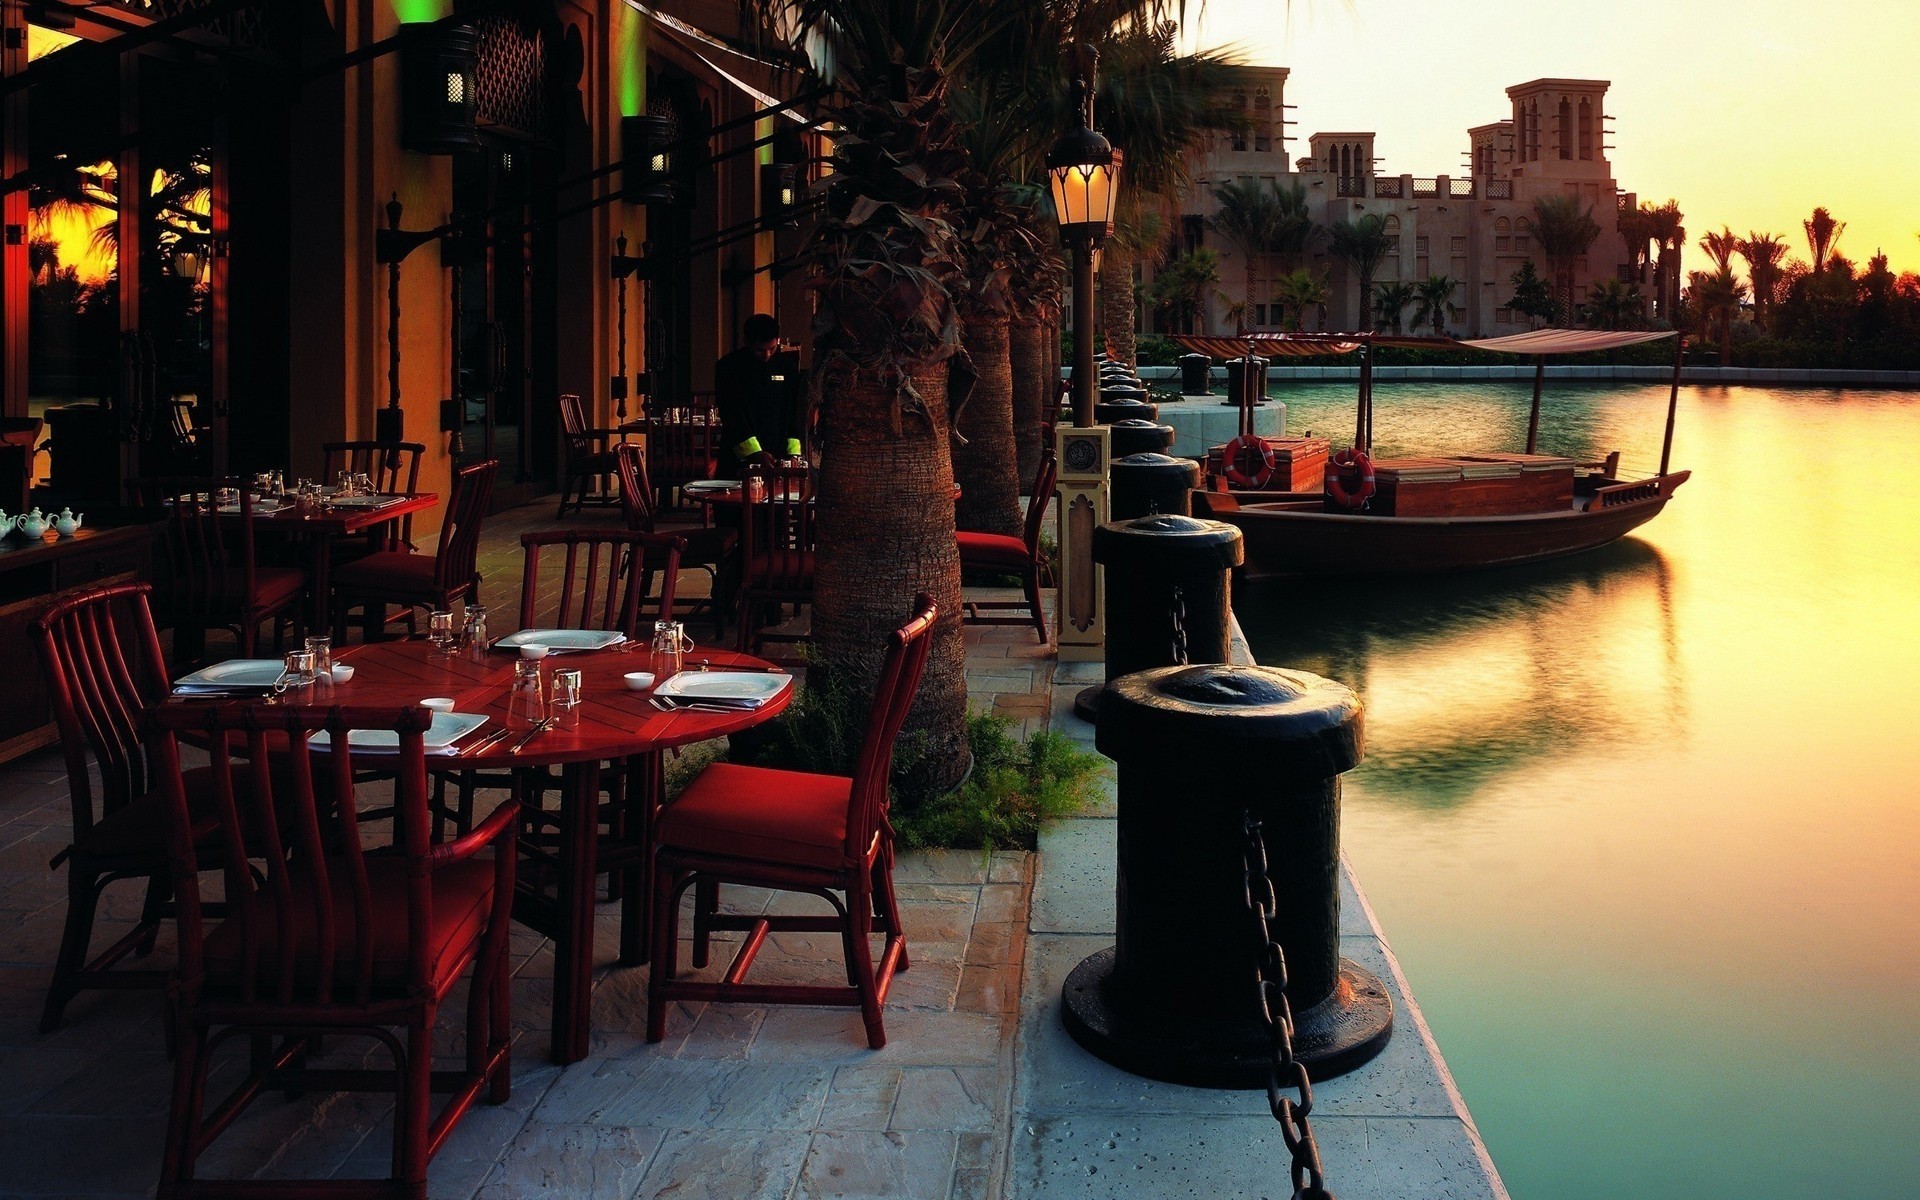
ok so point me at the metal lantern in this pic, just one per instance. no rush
(649, 172)
(1083, 170)
(438, 62)
(780, 185)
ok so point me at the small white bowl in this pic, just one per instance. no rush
(533, 650)
(438, 704)
(639, 681)
(342, 672)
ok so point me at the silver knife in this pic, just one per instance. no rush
(498, 735)
(535, 732)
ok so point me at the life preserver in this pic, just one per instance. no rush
(1234, 454)
(1340, 468)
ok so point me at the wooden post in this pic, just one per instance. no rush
(1366, 394)
(1673, 399)
(1533, 415)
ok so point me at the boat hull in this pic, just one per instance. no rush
(1289, 542)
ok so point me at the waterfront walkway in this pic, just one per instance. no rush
(979, 1093)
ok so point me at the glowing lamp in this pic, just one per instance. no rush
(1083, 170)
(649, 161)
(438, 113)
(780, 185)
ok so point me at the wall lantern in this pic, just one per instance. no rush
(650, 162)
(1083, 170)
(438, 62)
(780, 187)
(188, 262)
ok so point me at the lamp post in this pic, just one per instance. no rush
(1083, 171)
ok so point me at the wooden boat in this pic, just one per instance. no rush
(1449, 513)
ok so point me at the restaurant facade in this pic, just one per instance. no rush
(236, 230)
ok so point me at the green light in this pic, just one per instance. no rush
(410, 11)
(630, 46)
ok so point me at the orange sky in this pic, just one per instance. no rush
(1748, 114)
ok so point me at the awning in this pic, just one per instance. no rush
(1293, 345)
(699, 43)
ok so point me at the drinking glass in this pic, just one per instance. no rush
(363, 484)
(568, 691)
(440, 630)
(343, 485)
(667, 653)
(296, 677)
(321, 647)
(527, 700)
(473, 632)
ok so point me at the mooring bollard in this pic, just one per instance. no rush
(1140, 436)
(1196, 374)
(1237, 379)
(1168, 590)
(1199, 749)
(1118, 404)
(1150, 483)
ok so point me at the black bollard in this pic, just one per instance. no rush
(1196, 374)
(1146, 484)
(1237, 378)
(1115, 407)
(1133, 435)
(1198, 748)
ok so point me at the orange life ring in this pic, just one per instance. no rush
(1235, 453)
(1344, 465)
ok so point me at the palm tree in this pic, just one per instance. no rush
(1296, 230)
(1181, 288)
(1721, 247)
(1669, 234)
(1361, 244)
(1566, 231)
(1636, 230)
(1391, 300)
(985, 461)
(1764, 252)
(1435, 297)
(1615, 304)
(1716, 296)
(1249, 216)
(1823, 235)
(1297, 292)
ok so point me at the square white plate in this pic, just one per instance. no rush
(710, 485)
(447, 728)
(234, 673)
(562, 640)
(748, 689)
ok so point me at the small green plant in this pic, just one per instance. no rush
(1015, 789)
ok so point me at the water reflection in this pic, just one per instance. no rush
(1469, 677)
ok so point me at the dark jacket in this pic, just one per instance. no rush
(759, 405)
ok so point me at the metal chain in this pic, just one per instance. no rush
(1270, 986)
(1177, 617)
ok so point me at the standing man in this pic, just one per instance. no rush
(757, 390)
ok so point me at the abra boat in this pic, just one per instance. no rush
(1422, 515)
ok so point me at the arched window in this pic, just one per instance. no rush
(1503, 226)
(1392, 230)
(1502, 236)
(1586, 129)
(1346, 160)
(1565, 132)
(1263, 98)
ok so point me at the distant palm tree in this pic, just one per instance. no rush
(1361, 244)
(1182, 288)
(1721, 247)
(1765, 253)
(1823, 235)
(1716, 296)
(1665, 225)
(1248, 215)
(1391, 300)
(1297, 229)
(1435, 297)
(1615, 304)
(1297, 292)
(1636, 230)
(1566, 231)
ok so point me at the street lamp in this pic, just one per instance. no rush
(1083, 171)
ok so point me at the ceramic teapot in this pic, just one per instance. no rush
(6, 523)
(67, 523)
(33, 525)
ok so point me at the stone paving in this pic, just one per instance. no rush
(979, 1093)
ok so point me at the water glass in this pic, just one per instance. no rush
(296, 676)
(568, 692)
(321, 647)
(440, 630)
(343, 485)
(527, 699)
(363, 484)
(473, 632)
(667, 653)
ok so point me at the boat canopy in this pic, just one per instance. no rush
(1537, 342)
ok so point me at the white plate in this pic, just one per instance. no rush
(234, 673)
(562, 641)
(365, 501)
(745, 688)
(710, 485)
(447, 728)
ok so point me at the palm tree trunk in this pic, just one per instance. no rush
(1116, 302)
(886, 534)
(1726, 338)
(1366, 302)
(987, 467)
(1026, 356)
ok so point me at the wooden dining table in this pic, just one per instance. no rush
(321, 528)
(615, 723)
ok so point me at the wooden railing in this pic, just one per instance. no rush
(1388, 189)
(1626, 493)
(1499, 189)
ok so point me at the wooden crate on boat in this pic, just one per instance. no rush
(1477, 485)
(1299, 463)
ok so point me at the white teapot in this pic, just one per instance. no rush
(67, 524)
(34, 524)
(6, 523)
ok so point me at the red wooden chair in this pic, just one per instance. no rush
(206, 573)
(708, 548)
(323, 936)
(777, 537)
(792, 831)
(682, 443)
(589, 457)
(996, 553)
(413, 581)
(394, 467)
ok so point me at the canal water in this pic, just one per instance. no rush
(1644, 825)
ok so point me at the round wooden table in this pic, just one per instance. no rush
(615, 723)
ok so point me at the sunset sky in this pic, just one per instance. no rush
(1748, 114)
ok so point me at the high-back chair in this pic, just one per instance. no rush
(411, 581)
(324, 935)
(682, 442)
(998, 553)
(708, 548)
(394, 467)
(777, 538)
(601, 580)
(792, 831)
(589, 456)
(206, 573)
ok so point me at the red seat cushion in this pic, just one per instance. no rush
(790, 817)
(462, 897)
(276, 586)
(993, 550)
(138, 829)
(793, 568)
(387, 571)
